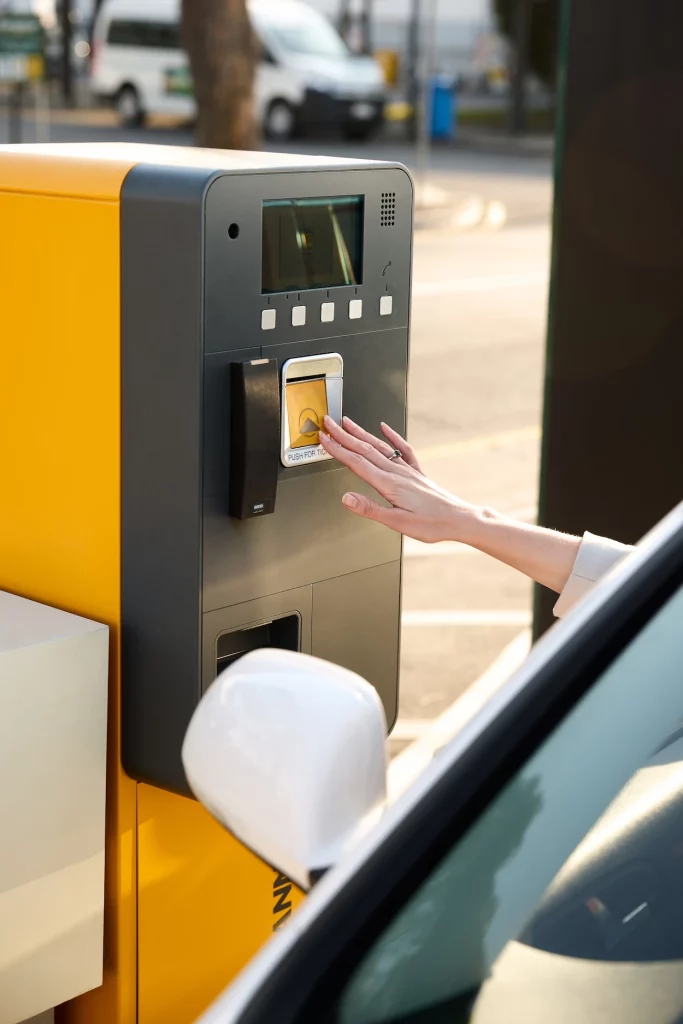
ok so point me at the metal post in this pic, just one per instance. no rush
(16, 105)
(344, 18)
(96, 11)
(67, 38)
(521, 64)
(424, 133)
(366, 26)
(42, 112)
(412, 59)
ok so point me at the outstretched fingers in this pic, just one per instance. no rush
(363, 467)
(361, 446)
(385, 449)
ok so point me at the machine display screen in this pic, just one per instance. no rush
(306, 409)
(311, 243)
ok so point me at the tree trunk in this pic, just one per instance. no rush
(222, 48)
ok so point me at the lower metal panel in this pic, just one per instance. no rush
(356, 623)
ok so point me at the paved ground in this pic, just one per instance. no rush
(481, 269)
(476, 387)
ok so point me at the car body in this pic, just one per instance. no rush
(307, 76)
(532, 872)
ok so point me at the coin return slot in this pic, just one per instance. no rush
(283, 633)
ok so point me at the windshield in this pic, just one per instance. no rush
(311, 36)
(619, 898)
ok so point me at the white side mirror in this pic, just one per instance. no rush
(288, 752)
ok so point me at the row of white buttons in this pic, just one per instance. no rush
(269, 318)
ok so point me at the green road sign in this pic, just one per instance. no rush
(21, 48)
(21, 33)
(178, 82)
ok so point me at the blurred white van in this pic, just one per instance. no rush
(307, 75)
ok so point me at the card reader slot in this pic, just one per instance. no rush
(254, 438)
(307, 376)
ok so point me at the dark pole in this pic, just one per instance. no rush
(412, 65)
(344, 19)
(366, 30)
(520, 66)
(16, 104)
(96, 11)
(67, 68)
(613, 420)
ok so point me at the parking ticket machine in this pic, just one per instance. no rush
(180, 323)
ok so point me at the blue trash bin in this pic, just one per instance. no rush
(444, 108)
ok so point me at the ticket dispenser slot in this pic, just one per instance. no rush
(283, 632)
(311, 389)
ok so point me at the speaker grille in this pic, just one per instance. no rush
(388, 211)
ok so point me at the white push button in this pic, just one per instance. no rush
(267, 319)
(355, 309)
(298, 316)
(386, 305)
(327, 312)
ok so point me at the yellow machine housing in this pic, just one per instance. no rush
(162, 474)
(186, 905)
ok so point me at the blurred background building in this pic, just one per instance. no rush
(467, 44)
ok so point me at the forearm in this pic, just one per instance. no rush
(544, 555)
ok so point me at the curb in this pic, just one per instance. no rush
(533, 146)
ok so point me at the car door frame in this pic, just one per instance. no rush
(296, 983)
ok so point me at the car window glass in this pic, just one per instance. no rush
(312, 36)
(604, 886)
(155, 35)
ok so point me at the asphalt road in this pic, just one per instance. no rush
(480, 293)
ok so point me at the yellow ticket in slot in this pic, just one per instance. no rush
(306, 408)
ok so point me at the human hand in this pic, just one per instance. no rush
(419, 507)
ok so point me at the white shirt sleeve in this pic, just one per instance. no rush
(595, 558)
